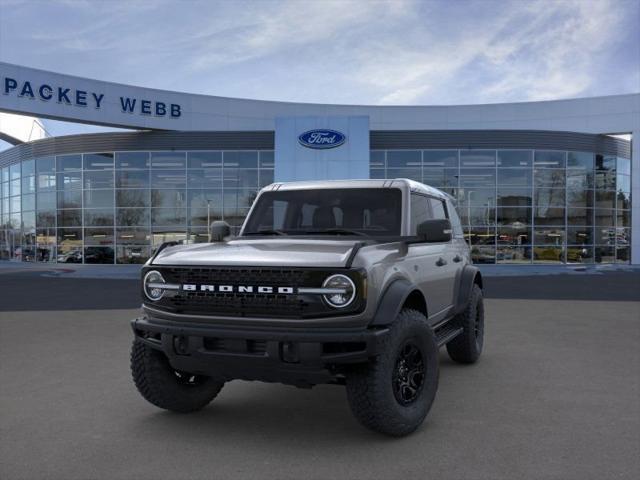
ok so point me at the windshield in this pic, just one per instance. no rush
(348, 211)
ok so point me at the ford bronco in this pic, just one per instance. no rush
(355, 283)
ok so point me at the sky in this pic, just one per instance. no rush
(395, 52)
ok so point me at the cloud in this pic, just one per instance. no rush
(334, 51)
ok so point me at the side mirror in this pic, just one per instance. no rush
(219, 231)
(434, 231)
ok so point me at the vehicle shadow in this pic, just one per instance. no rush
(610, 286)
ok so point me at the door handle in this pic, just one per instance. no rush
(457, 259)
(441, 262)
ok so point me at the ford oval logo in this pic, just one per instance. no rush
(322, 138)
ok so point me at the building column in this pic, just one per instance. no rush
(635, 197)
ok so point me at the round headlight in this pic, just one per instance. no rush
(345, 291)
(151, 284)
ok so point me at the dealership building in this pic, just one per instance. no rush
(538, 182)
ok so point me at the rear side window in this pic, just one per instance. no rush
(455, 220)
(438, 209)
(420, 211)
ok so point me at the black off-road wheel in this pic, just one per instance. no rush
(167, 388)
(467, 347)
(394, 393)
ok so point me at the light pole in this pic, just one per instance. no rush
(209, 220)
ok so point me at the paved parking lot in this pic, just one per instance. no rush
(554, 396)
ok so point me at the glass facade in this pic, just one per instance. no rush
(528, 206)
(116, 207)
(517, 206)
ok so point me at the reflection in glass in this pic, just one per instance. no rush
(377, 159)
(514, 196)
(132, 179)
(28, 168)
(46, 218)
(605, 254)
(548, 254)
(605, 235)
(98, 198)
(138, 160)
(623, 254)
(410, 173)
(69, 180)
(605, 199)
(132, 198)
(70, 218)
(580, 254)
(579, 216)
(509, 254)
(169, 217)
(477, 158)
(98, 237)
(477, 177)
(623, 218)
(514, 215)
(582, 160)
(168, 160)
(514, 158)
(440, 159)
(98, 217)
(136, 254)
(68, 162)
(548, 216)
(579, 179)
(204, 159)
(70, 199)
(549, 159)
(440, 177)
(28, 184)
(240, 178)
(483, 254)
(168, 179)
(549, 236)
(404, 158)
(514, 234)
(266, 178)
(98, 179)
(132, 217)
(97, 161)
(580, 235)
(514, 176)
(43, 165)
(205, 178)
(240, 159)
(605, 218)
(549, 178)
(96, 254)
(477, 216)
(168, 198)
(133, 236)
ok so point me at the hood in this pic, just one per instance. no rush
(276, 252)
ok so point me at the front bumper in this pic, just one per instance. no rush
(301, 356)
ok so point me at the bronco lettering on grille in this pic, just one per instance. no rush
(190, 287)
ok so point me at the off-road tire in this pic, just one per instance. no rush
(166, 388)
(467, 347)
(370, 387)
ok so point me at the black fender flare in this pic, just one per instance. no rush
(391, 301)
(467, 279)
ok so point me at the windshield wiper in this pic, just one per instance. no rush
(266, 232)
(336, 231)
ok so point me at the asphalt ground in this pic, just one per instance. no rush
(555, 395)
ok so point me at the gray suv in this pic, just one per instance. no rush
(355, 283)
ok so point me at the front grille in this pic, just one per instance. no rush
(247, 304)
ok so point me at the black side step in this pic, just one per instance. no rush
(446, 333)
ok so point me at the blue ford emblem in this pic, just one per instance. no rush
(322, 138)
